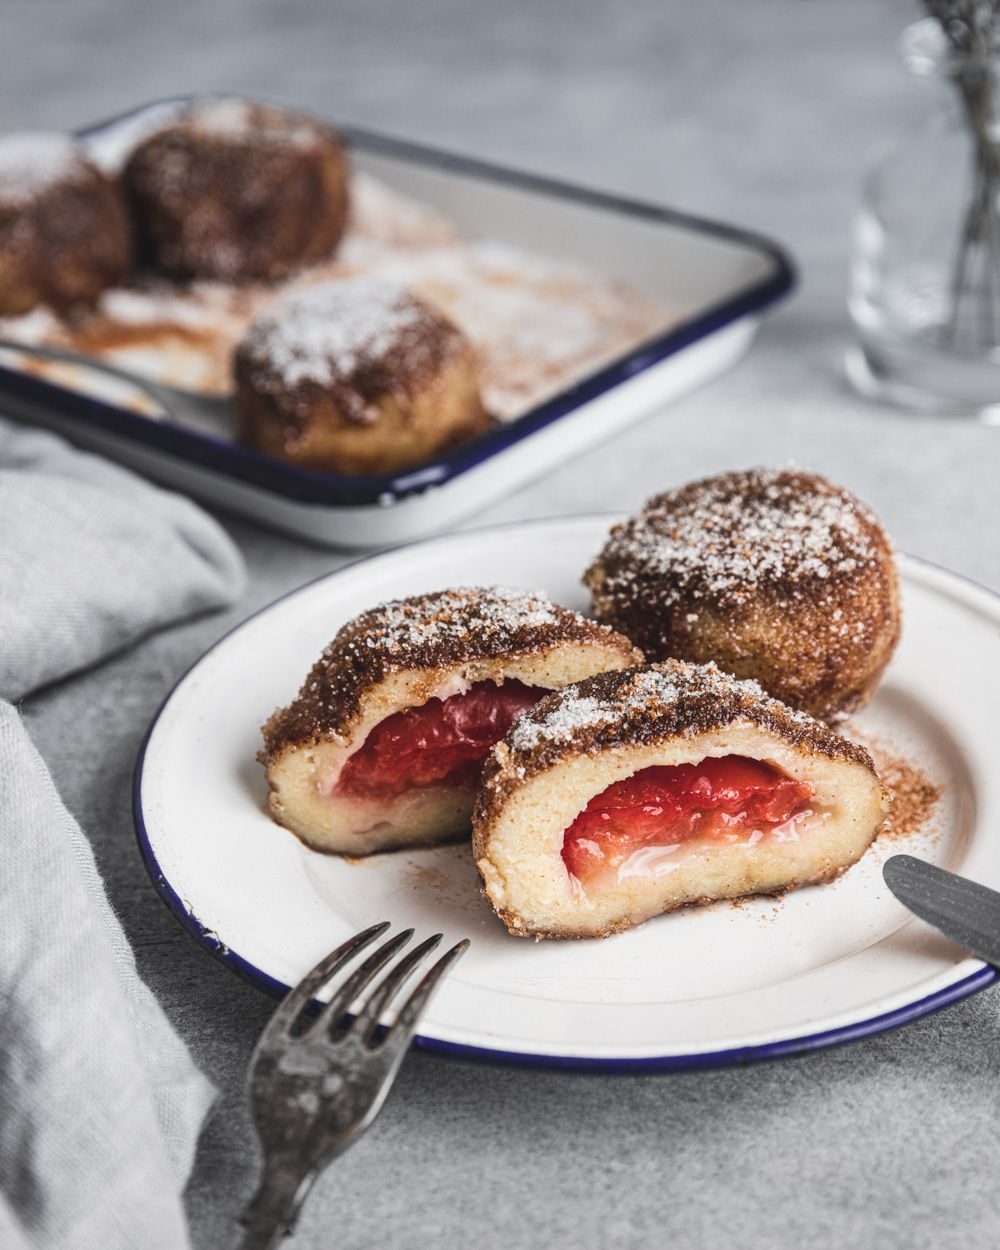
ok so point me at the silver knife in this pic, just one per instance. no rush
(967, 913)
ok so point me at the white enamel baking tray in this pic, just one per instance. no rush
(723, 278)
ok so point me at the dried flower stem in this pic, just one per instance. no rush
(972, 28)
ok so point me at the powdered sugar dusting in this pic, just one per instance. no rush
(33, 161)
(323, 334)
(561, 722)
(725, 536)
(447, 629)
(231, 119)
(639, 695)
(536, 323)
(240, 120)
(433, 620)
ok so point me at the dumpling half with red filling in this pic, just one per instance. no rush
(635, 792)
(385, 743)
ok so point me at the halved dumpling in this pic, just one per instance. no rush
(638, 791)
(385, 743)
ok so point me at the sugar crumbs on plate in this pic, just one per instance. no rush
(914, 796)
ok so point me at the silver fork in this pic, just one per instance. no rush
(315, 1086)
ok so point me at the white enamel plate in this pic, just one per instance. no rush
(704, 986)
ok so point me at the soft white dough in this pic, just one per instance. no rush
(519, 853)
(303, 777)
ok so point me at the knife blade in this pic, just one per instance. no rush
(962, 910)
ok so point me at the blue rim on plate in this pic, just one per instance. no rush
(208, 940)
(309, 487)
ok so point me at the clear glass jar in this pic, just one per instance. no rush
(925, 268)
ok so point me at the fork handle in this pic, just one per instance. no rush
(272, 1213)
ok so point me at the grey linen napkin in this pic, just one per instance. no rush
(92, 557)
(100, 1104)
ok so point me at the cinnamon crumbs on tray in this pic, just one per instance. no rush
(537, 324)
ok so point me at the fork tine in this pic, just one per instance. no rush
(358, 979)
(405, 1024)
(312, 1095)
(302, 994)
(384, 993)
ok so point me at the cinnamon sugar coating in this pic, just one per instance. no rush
(636, 707)
(775, 574)
(430, 632)
(588, 736)
(356, 376)
(239, 191)
(64, 231)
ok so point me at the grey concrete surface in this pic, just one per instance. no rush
(762, 113)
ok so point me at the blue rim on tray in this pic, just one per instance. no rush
(306, 486)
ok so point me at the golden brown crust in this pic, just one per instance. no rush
(428, 632)
(773, 574)
(323, 441)
(642, 706)
(238, 191)
(517, 928)
(357, 376)
(64, 231)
